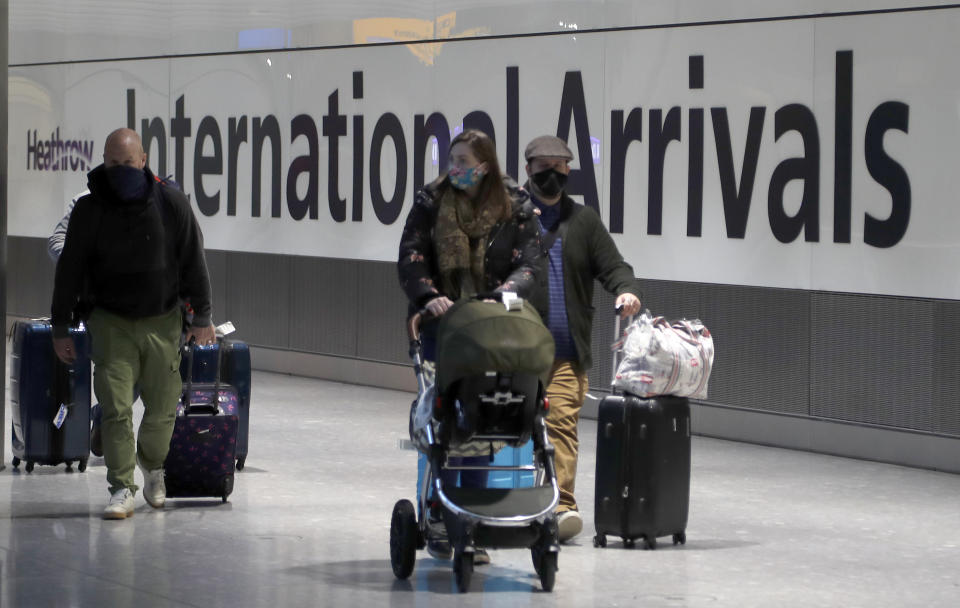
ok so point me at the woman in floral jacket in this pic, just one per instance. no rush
(471, 231)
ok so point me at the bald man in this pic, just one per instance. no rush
(134, 250)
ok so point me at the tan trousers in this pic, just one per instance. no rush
(566, 392)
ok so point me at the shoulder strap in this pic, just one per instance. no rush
(559, 229)
(555, 232)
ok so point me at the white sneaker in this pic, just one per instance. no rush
(120, 505)
(154, 488)
(569, 524)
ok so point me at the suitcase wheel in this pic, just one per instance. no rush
(680, 538)
(629, 543)
(648, 543)
(240, 462)
(83, 465)
(69, 466)
(600, 540)
(29, 467)
(226, 488)
(15, 462)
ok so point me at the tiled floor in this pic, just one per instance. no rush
(308, 525)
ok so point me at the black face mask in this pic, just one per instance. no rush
(129, 183)
(549, 182)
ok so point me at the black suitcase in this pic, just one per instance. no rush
(50, 401)
(203, 448)
(643, 469)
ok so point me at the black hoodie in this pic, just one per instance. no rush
(135, 258)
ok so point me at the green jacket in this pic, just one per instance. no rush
(589, 253)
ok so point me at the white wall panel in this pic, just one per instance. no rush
(899, 63)
(909, 59)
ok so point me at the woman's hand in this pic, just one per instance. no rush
(438, 305)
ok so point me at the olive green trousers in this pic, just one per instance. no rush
(132, 355)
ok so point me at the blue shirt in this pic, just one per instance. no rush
(556, 320)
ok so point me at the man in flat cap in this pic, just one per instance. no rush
(578, 249)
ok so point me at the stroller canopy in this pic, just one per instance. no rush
(476, 337)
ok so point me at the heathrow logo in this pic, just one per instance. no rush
(56, 154)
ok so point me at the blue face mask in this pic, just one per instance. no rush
(129, 183)
(463, 179)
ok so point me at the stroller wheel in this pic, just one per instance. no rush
(548, 570)
(403, 539)
(462, 570)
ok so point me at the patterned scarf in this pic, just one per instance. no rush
(460, 237)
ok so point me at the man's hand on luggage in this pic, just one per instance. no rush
(202, 335)
(439, 305)
(628, 304)
(65, 349)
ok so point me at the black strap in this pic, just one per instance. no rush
(555, 232)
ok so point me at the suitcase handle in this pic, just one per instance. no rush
(617, 349)
(188, 390)
(210, 409)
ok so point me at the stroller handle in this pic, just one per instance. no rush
(413, 326)
(424, 314)
(415, 321)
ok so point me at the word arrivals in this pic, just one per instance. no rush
(215, 152)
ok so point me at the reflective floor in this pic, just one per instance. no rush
(308, 525)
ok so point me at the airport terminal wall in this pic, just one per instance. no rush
(785, 173)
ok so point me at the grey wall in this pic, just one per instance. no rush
(868, 361)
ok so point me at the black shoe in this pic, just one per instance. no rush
(440, 549)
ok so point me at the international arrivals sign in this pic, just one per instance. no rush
(811, 154)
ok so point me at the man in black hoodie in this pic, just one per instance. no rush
(134, 250)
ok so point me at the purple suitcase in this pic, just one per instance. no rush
(234, 368)
(203, 450)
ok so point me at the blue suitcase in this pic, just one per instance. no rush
(234, 371)
(50, 401)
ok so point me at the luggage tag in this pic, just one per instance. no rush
(61, 416)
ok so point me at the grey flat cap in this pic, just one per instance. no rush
(547, 145)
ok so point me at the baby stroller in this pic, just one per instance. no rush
(492, 366)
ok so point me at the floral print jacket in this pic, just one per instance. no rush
(513, 261)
